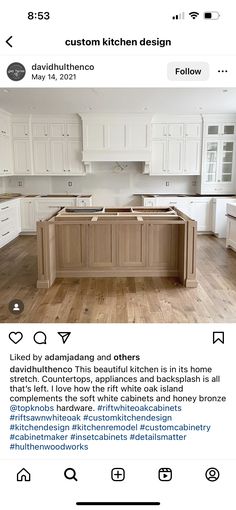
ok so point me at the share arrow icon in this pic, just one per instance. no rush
(64, 335)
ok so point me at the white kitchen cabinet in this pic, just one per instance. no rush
(42, 157)
(4, 125)
(21, 156)
(219, 129)
(200, 210)
(231, 233)
(163, 130)
(46, 207)
(9, 221)
(74, 157)
(193, 130)
(20, 130)
(148, 200)
(175, 157)
(84, 201)
(28, 214)
(64, 130)
(192, 157)
(95, 137)
(218, 165)
(6, 167)
(40, 129)
(180, 148)
(66, 157)
(159, 157)
(175, 130)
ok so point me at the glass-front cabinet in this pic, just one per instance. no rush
(225, 129)
(219, 161)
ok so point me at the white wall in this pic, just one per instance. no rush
(107, 183)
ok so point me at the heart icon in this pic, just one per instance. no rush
(15, 336)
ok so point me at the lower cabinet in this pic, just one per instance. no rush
(231, 233)
(9, 221)
(28, 214)
(201, 211)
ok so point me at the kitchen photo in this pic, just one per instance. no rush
(118, 205)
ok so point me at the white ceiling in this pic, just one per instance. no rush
(162, 100)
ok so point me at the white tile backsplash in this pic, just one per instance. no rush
(108, 184)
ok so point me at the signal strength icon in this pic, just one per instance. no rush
(194, 14)
(179, 16)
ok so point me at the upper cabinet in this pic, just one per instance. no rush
(56, 129)
(176, 148)
(218, 174)
(116, 137)
(4, 125)
(6, 166)
(225, 129)
(47, 145)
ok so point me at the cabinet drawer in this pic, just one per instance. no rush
(7, 236)
(8, 211)
(6, 224)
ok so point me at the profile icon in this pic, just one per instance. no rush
(16, 306)
(212, 474)
(16, 71)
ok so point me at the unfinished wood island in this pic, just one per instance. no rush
(117, 242)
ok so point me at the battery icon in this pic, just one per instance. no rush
(211, 15)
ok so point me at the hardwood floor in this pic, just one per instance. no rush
(115, 300)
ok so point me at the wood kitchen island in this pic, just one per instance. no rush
(117, 242)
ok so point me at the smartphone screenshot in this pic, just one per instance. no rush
(117, 255)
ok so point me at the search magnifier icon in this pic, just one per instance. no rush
(70, 474)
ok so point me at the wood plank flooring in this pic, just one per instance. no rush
(115, 300)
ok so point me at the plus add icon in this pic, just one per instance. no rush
(117, 474)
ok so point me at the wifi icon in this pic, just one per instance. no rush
(194, 14)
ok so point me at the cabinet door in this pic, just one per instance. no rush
(228, 129)
(192, 130)
(58, 159)
(101, 246)
(226, 162)
(131, 245)
(41, 156)
(191, 163)
(175, 130)
(21, 156)
(28, 220)
(201, 211)
(159, 130)
(20, 130)
(57, 129)
(40, 130)
(158, 164)
(163, 247)
(213, 129)
(175, 157)
(74, 157)
(4, 126)
(73, 130)
(211, 161)
(5, 156)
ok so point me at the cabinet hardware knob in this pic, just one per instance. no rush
(67, 134)
(63, 134)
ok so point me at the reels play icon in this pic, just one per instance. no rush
(165, 474)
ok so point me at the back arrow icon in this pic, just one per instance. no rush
(7, 41)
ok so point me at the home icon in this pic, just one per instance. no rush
(23, 476)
